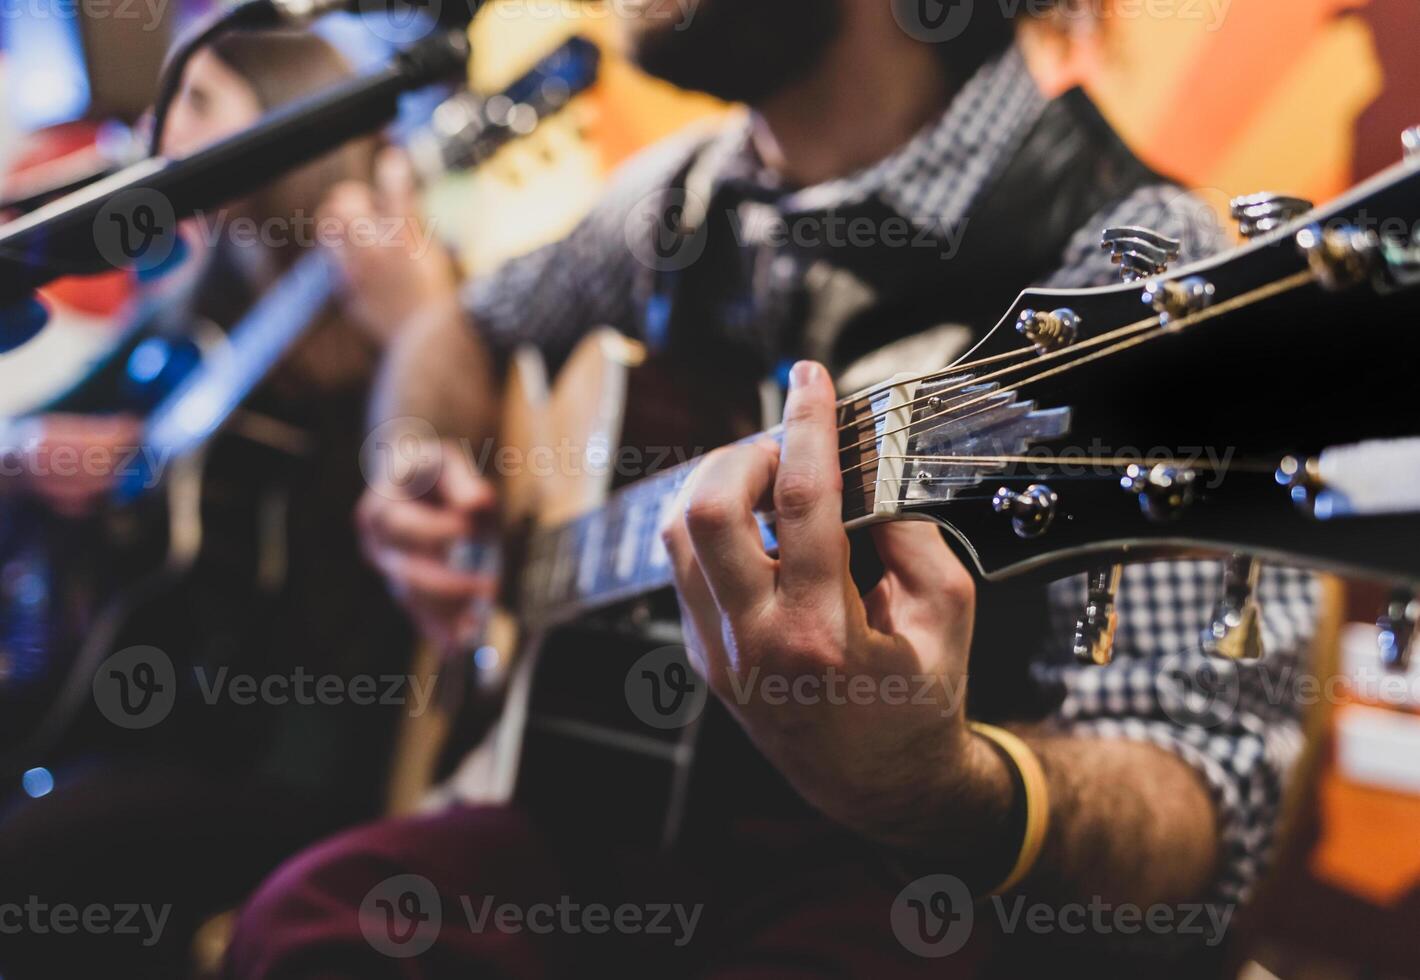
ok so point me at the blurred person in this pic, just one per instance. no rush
(854, 114)
(184, 818)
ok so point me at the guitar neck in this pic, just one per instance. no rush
(615, 552)
(605, 556)
(188, 418)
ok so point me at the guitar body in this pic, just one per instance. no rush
(568, 728)
(189, 549)
(60, 578)
(189, 568)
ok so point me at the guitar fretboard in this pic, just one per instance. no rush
(612, 553)
(615, 552)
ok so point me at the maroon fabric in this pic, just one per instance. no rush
(781, 901)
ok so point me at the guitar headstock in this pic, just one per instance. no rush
(1255, 405)
(468, 129)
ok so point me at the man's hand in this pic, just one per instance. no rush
(393, 264)
(886, 750)
(73, 461)
(858, 700)
(421, 507)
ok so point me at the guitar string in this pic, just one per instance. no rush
(1114, 461)
(988, 463)
(1024, 355)
(956, 368)
(1227, 306)
(1257, 295)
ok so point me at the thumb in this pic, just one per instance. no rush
(395, 184)
(460, 484)
(347, 201)
(916, 556)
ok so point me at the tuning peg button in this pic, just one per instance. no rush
(1094, 631)
(1259, 214)
(1164, 491)
(1235, 630)
(1031, 512)
(1410, 142)
(1301, 476)
(1139, 252)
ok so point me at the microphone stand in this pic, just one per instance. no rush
(94, 229)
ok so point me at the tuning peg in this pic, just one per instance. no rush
(1094, 631)
(1139, 252)
(1174, 299)
(1164, 491)
(1049, 331)
(1397, 629)
(1258, 214)
(1031, 512)
(1339, 257)
(1410, 141)
(1235, 632)
(1301, 475)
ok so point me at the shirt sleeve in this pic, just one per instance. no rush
(553, 296)
(1237, 724)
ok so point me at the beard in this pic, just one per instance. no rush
(736, 50)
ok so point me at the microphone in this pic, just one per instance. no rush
(130, 219)
(262, 14)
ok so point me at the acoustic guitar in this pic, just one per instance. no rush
(1292, 357)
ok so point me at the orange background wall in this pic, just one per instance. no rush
(1304, 96)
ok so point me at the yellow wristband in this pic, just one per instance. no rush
(1037, 794)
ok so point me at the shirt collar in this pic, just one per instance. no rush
(933, 178)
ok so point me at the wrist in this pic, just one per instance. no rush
(950, 816)
(976, 829)
(1029, 821)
